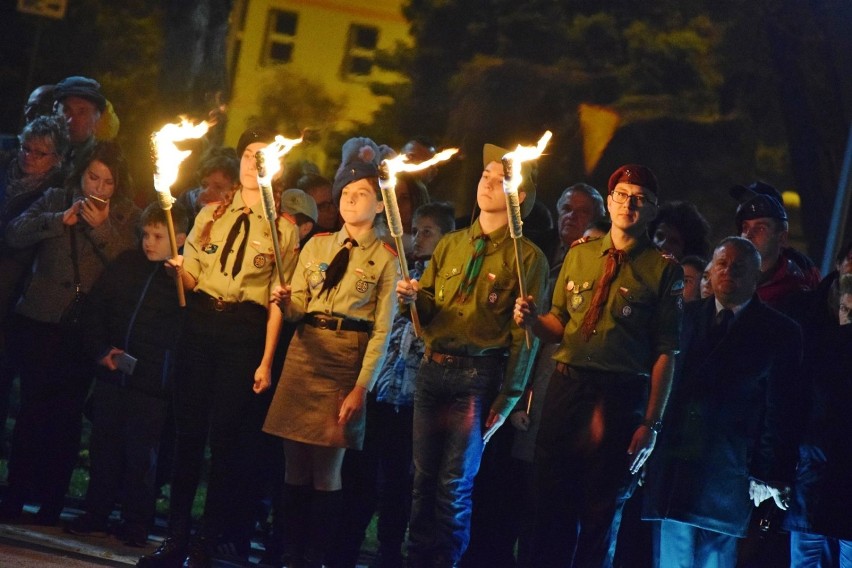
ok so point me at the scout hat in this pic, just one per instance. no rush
(360, 158)
(295, 201)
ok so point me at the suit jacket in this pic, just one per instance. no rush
(732, 416)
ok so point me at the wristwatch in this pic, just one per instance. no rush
(654, 425)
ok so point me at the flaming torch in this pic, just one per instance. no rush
(167, 159)
(512, 163)
(387, 182)
(268, 163)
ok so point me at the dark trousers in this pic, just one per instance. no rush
(219, 354)
(125, 441)
(582, 476)
(500, 504)
(46, 440)
(379, 476)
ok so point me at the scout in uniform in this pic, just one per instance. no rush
(616, 313)
(342, 293)
(224, 363)
(475, 366)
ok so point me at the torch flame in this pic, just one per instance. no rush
(168, 157)
(520, 155)
(269, 158)
(401, 164)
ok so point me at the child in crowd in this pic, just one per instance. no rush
(342, 291)
(133, 321)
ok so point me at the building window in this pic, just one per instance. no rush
(360, 50)
(280, 37)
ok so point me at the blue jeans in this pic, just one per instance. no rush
(809, 550)
(450, 408)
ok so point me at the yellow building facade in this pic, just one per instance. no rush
(332, 43)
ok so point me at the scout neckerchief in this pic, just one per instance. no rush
(614, 259)
(472, 268)
(243, 223)
(337, 268)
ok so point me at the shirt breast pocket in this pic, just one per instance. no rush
(633, 308)
(447, 282)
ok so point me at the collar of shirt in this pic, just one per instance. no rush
(736, 309)
(496, 237)
(635, 249)
(364, 240)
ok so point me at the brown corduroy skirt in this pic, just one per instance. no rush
(320, 370)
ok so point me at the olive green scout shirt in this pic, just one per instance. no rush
(258, 275)
(483, 324)
(642, 315)
(367, 291)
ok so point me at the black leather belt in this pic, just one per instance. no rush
(334, 323)
(463, 362)
(216, 304)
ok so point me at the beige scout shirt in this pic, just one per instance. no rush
(366, 292)
(258, 274)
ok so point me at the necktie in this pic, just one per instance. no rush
(472, 268)
(721, 323)
(243, 223)
(614, 258)
(337, 268)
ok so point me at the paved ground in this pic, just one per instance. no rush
(26, 545)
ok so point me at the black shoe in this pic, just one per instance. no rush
(197, 555)
(88, 525)
(170, 554)
(132, 534)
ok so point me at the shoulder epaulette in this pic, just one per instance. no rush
(580, 241)
(390, 248)
(289, 217)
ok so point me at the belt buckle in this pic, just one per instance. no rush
(322, 323)
(219, 305)
(449, 360)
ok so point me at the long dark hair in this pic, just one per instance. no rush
(109, 154)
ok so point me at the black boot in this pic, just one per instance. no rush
(324, 520)
(170, 554)
(294, 522)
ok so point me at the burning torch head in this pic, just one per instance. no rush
(492, 153)
(360, 159)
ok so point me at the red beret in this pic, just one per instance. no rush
(634, 174)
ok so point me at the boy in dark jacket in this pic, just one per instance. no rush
(132, 322)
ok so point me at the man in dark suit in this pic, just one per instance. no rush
(730, 440)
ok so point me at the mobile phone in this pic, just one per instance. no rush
(99, 202)
(125, 363)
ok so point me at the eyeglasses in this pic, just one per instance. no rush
(638, 200)
(37, 154)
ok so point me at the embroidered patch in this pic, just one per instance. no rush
(626, 311)
(576, 301)
(210, 248)
(492, 298)
(260, 260)
(362, 286)
(315, 279)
